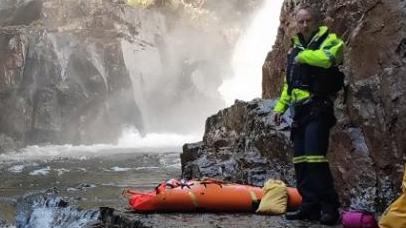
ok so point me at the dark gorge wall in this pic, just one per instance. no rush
(367, 146)
(62, 75)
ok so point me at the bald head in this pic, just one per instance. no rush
(307, 21)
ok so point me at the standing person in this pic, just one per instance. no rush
(311, 83)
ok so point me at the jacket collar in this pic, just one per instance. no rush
(298, 40)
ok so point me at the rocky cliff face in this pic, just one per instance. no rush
(55, 83)
(367, 146)
(79, 71)
(241, 144)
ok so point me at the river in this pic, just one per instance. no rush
(84, 176)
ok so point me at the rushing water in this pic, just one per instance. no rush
(84, 176)
(250, 53)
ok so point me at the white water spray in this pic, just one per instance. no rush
(131, 141)
(250, 53)
(131, 138)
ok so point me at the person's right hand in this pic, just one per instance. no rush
(277, 118)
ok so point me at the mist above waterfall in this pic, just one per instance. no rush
(177, 78)
(250, 53)
(176, 81)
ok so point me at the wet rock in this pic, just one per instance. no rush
(2, 222)
(55, 86)
(50, 210)
(241, 144)
(81, 187)
(8, 143)
(22, 13)
(117, 218)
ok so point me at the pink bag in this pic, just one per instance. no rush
(358, 219)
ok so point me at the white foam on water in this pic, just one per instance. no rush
(131, 141)
(51, 152)
(61, 171)
(119, 169)
(177, 165)
(149, 167)
(16, 169)
(42, 172)
(42, 217)
(131, 138)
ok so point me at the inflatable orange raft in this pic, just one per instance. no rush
(206, 195)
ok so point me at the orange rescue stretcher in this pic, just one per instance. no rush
(205, 195)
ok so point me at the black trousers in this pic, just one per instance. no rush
(314, 179)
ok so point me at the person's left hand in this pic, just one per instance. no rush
(277, 118)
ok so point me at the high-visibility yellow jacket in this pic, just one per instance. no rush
(328, 54)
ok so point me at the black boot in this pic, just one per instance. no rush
(330, 218)
(302, 215)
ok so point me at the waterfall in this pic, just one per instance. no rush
(178, 84)
(250, 53)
